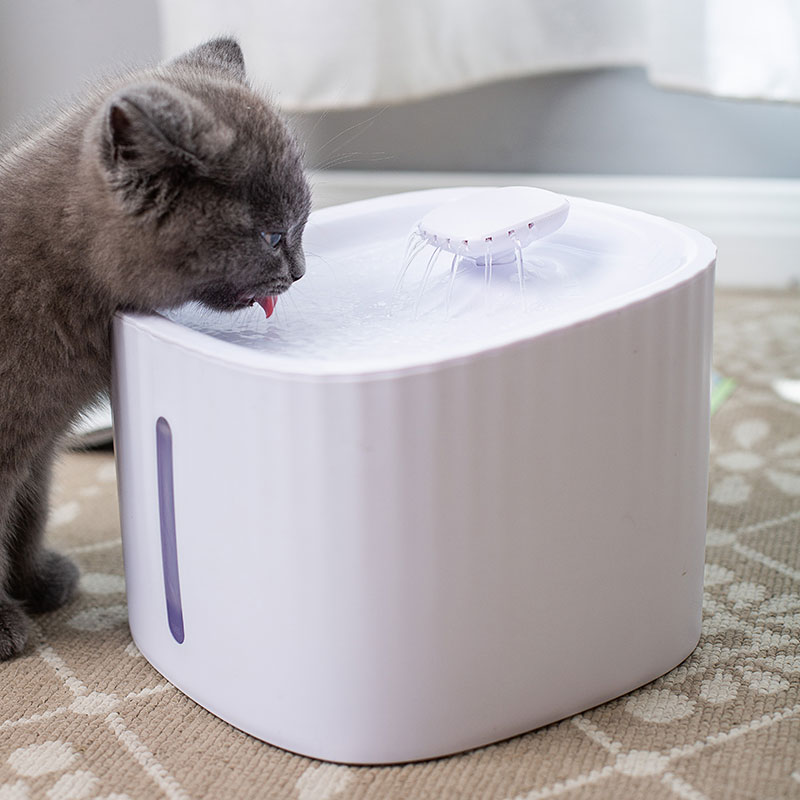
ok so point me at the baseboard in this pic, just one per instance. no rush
(754, 223)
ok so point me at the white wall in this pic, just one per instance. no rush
(599, 122)
(604, 122)
(50, 48)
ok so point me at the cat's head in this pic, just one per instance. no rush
(205, 187)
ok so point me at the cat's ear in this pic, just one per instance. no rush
(153, 137)
(223, 55)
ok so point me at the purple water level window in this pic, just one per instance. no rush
(169, 545)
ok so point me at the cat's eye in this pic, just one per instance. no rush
(272, 239)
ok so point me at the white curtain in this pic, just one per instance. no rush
(316, 54)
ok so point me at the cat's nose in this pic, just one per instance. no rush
(298, 268)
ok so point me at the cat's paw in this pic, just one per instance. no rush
(13, 629)
(54, 585)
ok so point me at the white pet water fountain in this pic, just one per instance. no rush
(426, 505)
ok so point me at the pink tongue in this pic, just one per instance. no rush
(268, 303)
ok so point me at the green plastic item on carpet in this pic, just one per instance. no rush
(721, 389)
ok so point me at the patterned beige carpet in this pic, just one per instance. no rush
(83, 715)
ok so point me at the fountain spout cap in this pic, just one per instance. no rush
(494, 221)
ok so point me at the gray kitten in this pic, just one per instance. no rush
(179, 183)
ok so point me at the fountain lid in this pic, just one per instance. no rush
(494, 220)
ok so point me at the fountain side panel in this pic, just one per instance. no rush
(394, 566)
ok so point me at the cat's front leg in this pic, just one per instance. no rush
(41, 579)
(14, 626)
(13, 620)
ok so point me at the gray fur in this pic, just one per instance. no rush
(150, 192)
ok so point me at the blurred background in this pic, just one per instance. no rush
(688, 108)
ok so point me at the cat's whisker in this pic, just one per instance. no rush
(348, 158)
(337, 161)
(296, 309)
(322, 260)
(359, 128)
(296, 122)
